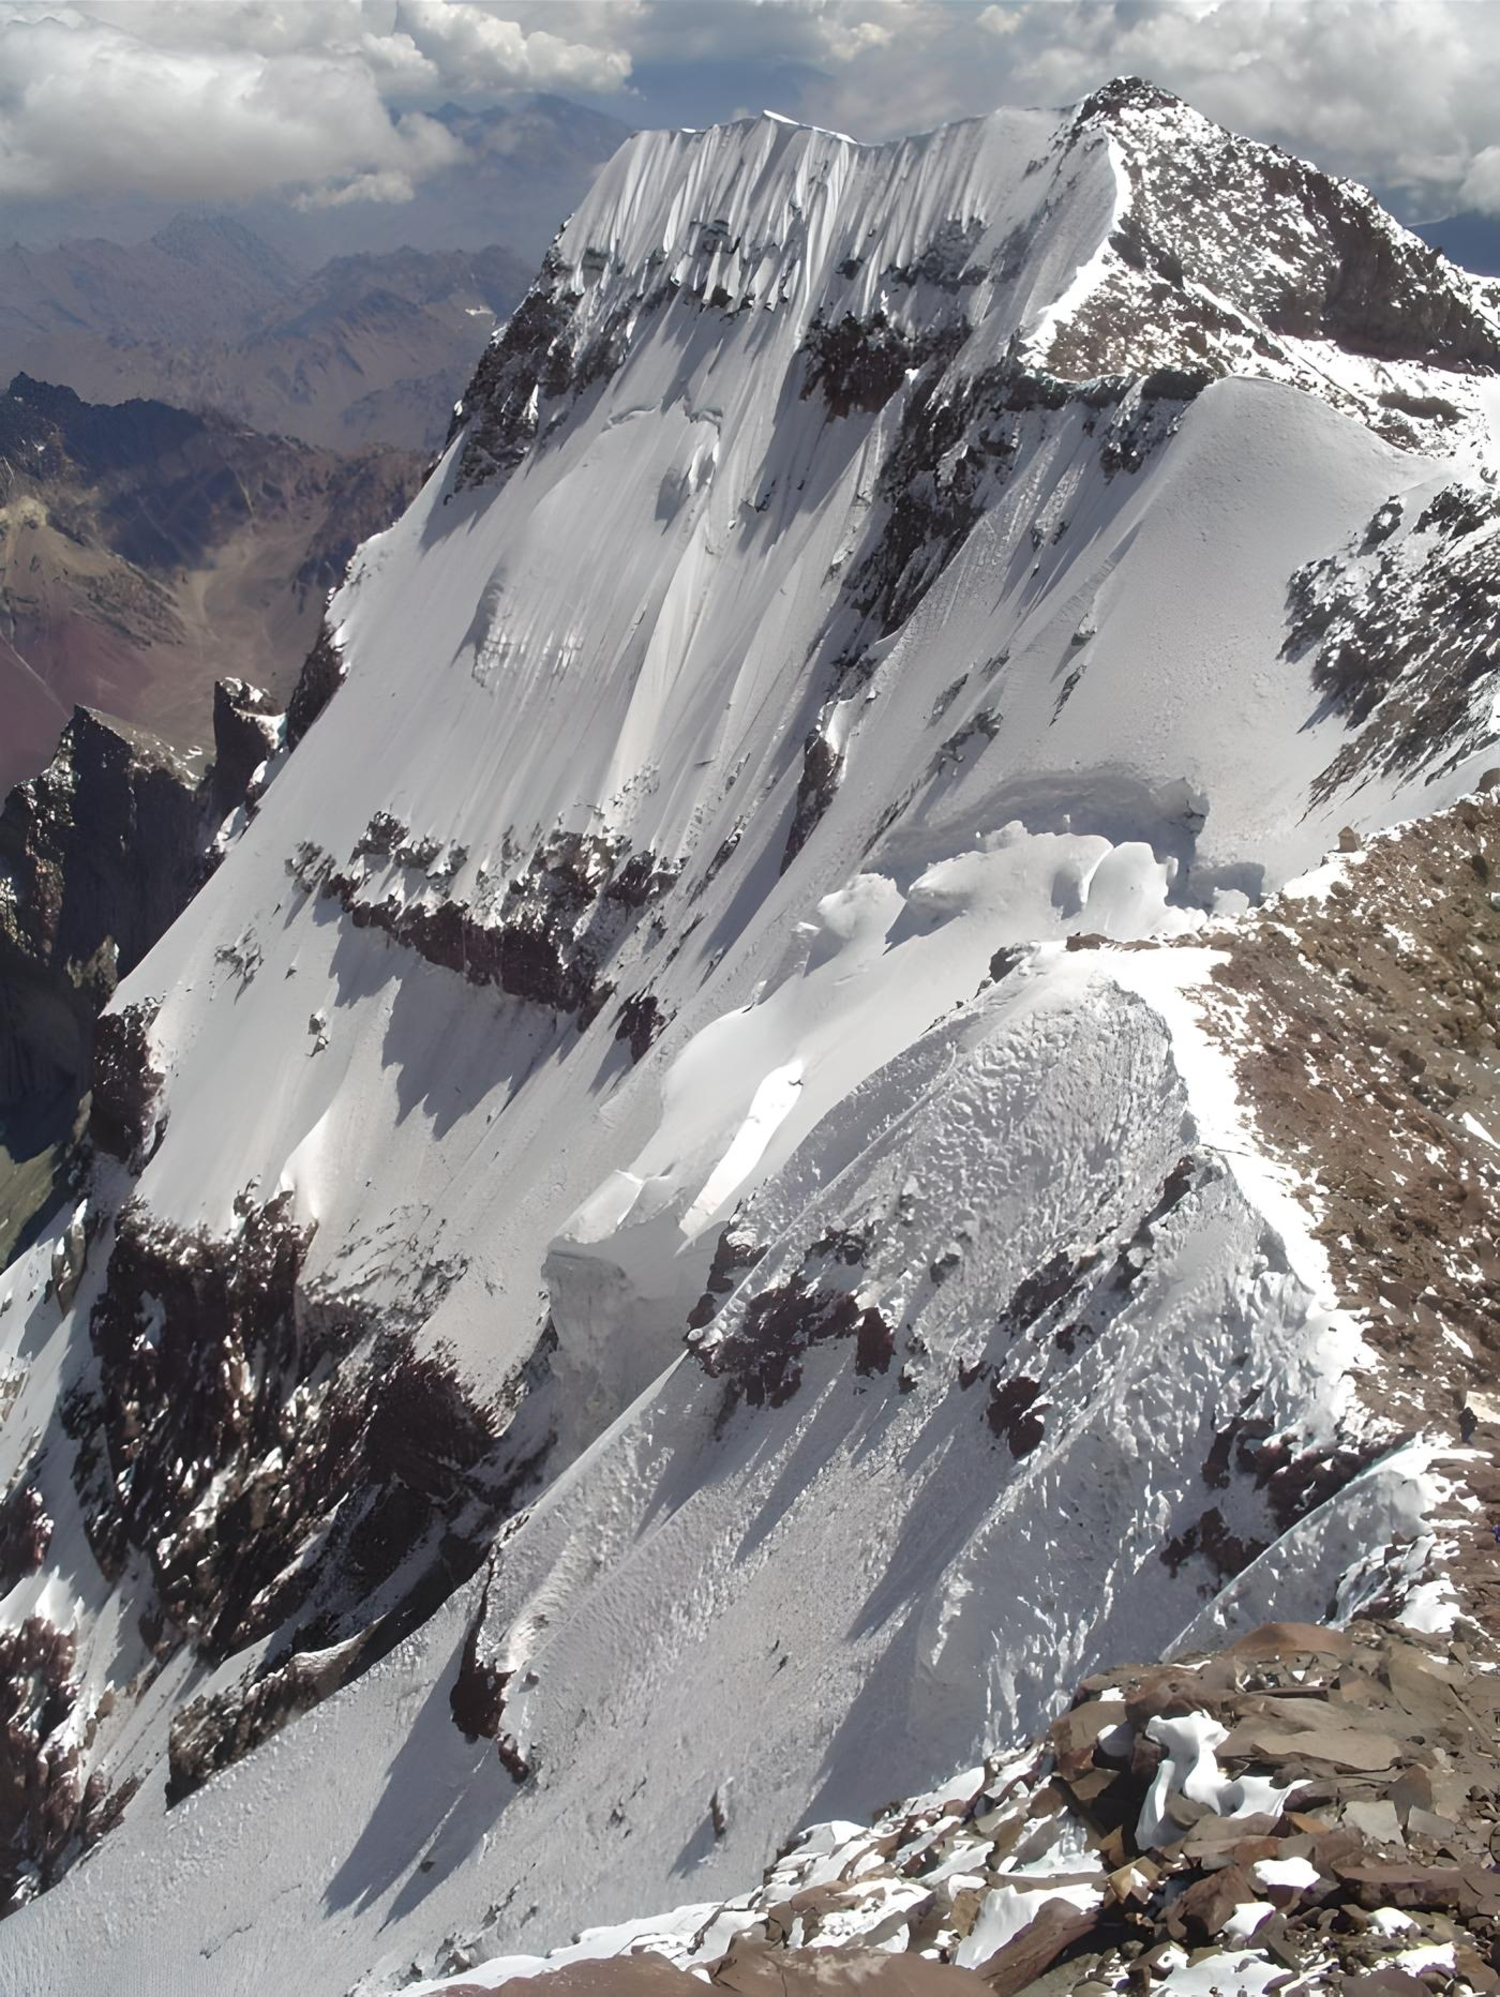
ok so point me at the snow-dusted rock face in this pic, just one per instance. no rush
(687, 1230)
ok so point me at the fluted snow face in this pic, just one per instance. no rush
(1129, 236)
(702, 1246)
(785, 215)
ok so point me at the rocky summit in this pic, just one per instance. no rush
(838, 1069)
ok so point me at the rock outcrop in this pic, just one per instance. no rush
(99, 855)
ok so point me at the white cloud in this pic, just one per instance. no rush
(477, 52)
(999, 20)
(1481, 183)
(388, 186)
(1398, 92)
(191, 99)
(217, 98)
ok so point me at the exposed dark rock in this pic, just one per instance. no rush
(212, 1733)
(1057, 1928)
(246, 734)
(1121, 93)
(1174, 384)
(68, 1260)
(547, 938)
(761, 1354)
(942, 1267)
(25, 1532)
(1405, 649)
(643, 878)
(1385, 294)
(955, 446)
(1377, 1746)
(286, 1466)
(477, 1700)
(123, 1080)
(604, 351)
(1057, 1281)
(1233, 1442)
(734, 1253)
(1157, 408)
(946, 261)
(1297, 1481)
(1367, 1045)
(750, 1969)
(1226, 1552)
(1011, 1413)
(1457, 510)
(41, 1780)
(388, 1439)
(532, 353)
(822, 767)
(103, 850)
(1325, 262)
(857, 363)
(849, 1246)
(1363, 1048)
(218, 1320)
(931, 509)
(1005, 960)
(981, 727)
(317, 683)
(874, 1344)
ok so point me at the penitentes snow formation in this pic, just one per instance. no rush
(843, 1072)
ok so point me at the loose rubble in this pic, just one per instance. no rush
(1309, 1809)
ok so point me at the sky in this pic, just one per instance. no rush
(328, 103)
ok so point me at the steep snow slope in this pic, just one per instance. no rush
(627, 1225)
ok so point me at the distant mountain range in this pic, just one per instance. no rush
(147, 550)
(367, 349)
(317, 323)
(234, 409)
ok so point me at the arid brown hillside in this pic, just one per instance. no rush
(370, 349)
(146, 552)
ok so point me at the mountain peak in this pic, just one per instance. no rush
(1126, 93)
(1223, 244)
(1127, 237)
(220, 245)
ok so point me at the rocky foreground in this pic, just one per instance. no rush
(1308, 1809)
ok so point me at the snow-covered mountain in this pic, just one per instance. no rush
(779, 1137)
